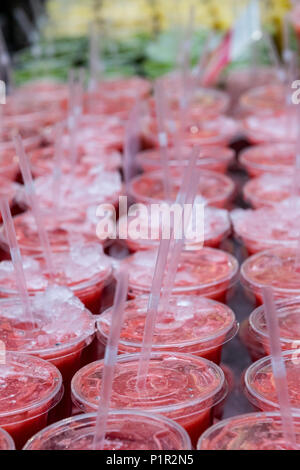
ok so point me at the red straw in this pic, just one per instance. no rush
(278, 367)
(111, 354)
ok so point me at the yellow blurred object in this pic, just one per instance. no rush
(72, 17)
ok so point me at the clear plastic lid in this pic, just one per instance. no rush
(269, 226)
(260, 385)
(275, 158)
(214, 188)
(6, 441)
(288, 314)
(268, 190)
(61, 322)
(29, 387)
(253, 431)
(126, 430)
(271, 128)
(206, 155)
(276, 268)
(191, 324)
(265, 99)
(77, 268)
(63, 230)
(177, 385)
(206, 271)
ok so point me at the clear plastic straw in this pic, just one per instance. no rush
(16, 259)
(5, 62)
(94, 59)
(186, 196)
(57, 169)
(132, 142)
(29, 186)
(186, 190)
(278, 366)
(160, 107)
(111, 353)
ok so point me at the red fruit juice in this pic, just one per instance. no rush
(193, 325)
(253, 431)
(207, 272)
(182, 387)
(84, 269)
(126, 430)
(30, 387)
(214, 188)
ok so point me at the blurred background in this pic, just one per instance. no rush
(137, 36)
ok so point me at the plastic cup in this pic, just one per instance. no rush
(262, 128)
(210, 158)
(207, 272)
(206, 103)
(214, 188)
(182, 387)
(267, 99)
(83, 191)
(275, 268)
(64, 327)
(218, 131)
(217, 228)
(42, 161)
(268, 227)
(193, 325)
(42, 92)
(254, 347)
(289, 325)
(275, 158)
(260, 385)
(241, 79)
(63, 229)
(126, 430)
(116, 89)
(6, 442)
(253, 431)
(268, 190)
(96, 132)
(30, 388)
(84, 269)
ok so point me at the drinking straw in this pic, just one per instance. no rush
(186, 196)
(29, 186)
(5, 61)
(286, 43)
(160, 107)
(187, 189)
(26, 25)
(94, 59)
(110, 358)
(16, 259)
(132, 142)
(278, 366)
(57, 169)
(75, 111)
(185, 58)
